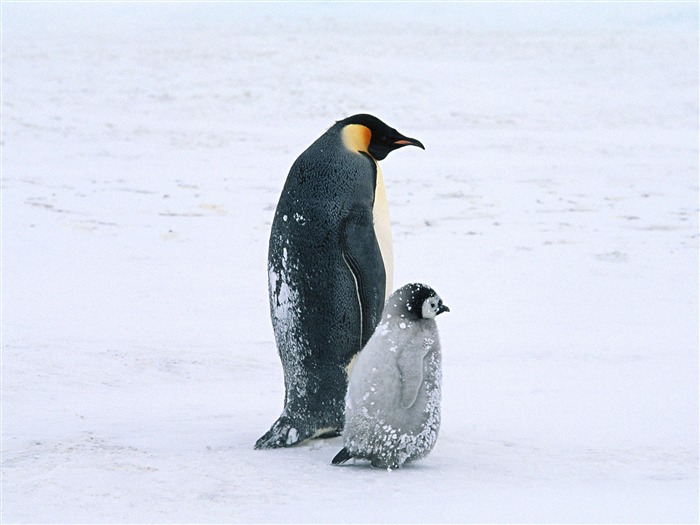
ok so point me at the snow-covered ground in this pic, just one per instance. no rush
(555, 210)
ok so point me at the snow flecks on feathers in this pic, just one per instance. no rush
(393, 399)
(285, 313)
(389, 435)
(390, 446)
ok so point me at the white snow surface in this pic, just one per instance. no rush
(555, 210)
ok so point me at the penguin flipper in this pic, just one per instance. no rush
(341, 457)
(410, 366)
(363, 257)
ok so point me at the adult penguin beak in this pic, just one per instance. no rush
(406, 141)
(381, 147)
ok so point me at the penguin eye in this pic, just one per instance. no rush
(429, 310)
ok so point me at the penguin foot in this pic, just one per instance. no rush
(341, 457)
(384, 465)
(283, 433)
(327, 433)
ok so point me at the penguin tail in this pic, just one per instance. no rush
(341, 457)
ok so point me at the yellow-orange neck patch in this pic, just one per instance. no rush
(356, 137)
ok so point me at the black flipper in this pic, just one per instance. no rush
(341, 457)
(364, 258)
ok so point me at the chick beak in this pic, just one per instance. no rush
(443, 308)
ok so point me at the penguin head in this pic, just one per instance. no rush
(367, 133)
(433, 306)
(416, 301)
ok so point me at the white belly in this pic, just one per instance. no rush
(382, 229)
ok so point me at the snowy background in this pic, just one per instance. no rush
(555, 209)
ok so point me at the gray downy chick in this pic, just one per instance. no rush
(392, 407)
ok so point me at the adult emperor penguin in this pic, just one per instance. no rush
(392, 412)
(329, 268)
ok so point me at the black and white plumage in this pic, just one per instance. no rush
(329, 269)
(392, 412)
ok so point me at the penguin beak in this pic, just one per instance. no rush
(379, 149)
(406, 141)
(443, 308)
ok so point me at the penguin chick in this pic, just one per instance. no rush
(329, 270)
(392, 408)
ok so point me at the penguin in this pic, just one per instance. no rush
(329, 270)
(393, 400)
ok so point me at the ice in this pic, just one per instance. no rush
(555, 209)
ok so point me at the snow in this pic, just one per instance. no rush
(555, 210)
